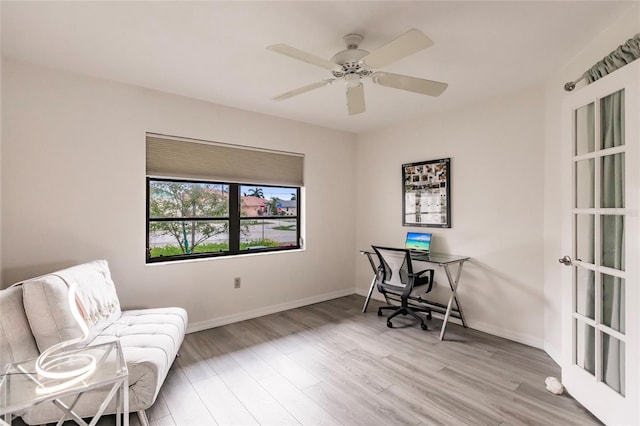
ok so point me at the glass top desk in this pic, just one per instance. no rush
(445, 261)
(21, 388)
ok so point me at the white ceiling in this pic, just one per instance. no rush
(215, 51)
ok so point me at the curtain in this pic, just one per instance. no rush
(620, 57)
(612, 249)
(613, 240)
(590, 307)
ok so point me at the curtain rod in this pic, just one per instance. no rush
(624, 54)
(570, 85)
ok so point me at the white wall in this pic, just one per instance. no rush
(497, 205)
(604, 43)
(73, 190)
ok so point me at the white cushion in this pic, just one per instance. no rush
(47, 307)
(16, 341)
(150, 340)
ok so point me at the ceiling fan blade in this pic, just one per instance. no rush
(411, 84)
(407, 44)
(303, 56)
(304, 89)
(355, 99)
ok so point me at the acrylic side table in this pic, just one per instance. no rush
(21, 388)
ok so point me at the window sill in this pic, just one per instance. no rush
(228, 257)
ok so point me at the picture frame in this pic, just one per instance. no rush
(426, 193)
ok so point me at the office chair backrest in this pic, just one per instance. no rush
(395, 265)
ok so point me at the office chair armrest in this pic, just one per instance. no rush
(419, 274)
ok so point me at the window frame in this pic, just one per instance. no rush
(234, 219)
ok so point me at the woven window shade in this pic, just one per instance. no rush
(189, 159)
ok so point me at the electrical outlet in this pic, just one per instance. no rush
(236, 282)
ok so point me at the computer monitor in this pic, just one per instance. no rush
(418, 241)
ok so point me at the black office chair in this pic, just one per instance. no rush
(396, 280)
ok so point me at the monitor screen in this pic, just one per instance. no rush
(418, 241)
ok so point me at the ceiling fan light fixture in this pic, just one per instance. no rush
(351, 80)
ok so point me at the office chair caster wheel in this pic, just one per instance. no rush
(423, 326)
(389, 324)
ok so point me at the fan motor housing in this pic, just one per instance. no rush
(349, 59)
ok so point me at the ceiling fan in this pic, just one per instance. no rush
(354, 64)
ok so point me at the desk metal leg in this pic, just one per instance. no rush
(373, 282)
(453, 283)
(366, 301)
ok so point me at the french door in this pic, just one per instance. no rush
(601, 241)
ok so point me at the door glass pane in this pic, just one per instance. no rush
(585, 344)
(613, 363)
(585, 292)
(612, 120)
(613, 302)
(585, 183)
(584, 234)
(612, 183)
(585, 133)
(613, 237)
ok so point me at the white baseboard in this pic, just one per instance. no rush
(267, 310)
(484, 327)
(363, 292)
(525, 339)
(553, 353)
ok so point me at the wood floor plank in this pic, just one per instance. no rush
(183, 401)
(329, 368)
(203, 342)
(333, 373)
(426, 410)
(158, 409)
(255, 399)
(361, 340)
(191, 362)
(296, 402)
(462, 403)
(162, 421)
(222, 403)
(343, 405)
(263, 347)
(512, 407)
(324, 334)
(286, 367)
(562, 406)
(241, 349)
(285, 335)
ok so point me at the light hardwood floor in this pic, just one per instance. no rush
(329, 363)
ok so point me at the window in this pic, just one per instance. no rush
(196, 207)
(192, 219)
